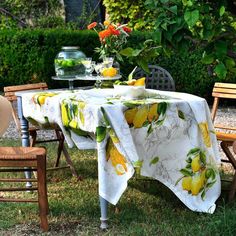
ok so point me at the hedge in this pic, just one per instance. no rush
(27, 56)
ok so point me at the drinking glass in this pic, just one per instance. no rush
(87, 62)
(90, 69)
(98, 68)
(108, 61)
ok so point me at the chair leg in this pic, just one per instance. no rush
(62, 148)
(42, 192)
(60, 137)
(225, 147)
(33, 135)
(69, 162)
(232, 189)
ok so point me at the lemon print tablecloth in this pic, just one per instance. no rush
(165, 135)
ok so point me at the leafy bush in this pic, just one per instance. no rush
(180, 25)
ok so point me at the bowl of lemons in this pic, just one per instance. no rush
(130, 89)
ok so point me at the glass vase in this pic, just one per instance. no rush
(68, 62)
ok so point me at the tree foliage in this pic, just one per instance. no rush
(183, 25)
(46, 13)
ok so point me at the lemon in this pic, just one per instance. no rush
(73, 124)
(81, 104)
(65, 118)
(140, 117)
(196, 164)
(41, 99)
(205, 133)
(81, 116)
(109, 72)
(187, 183)
(120, 170)
(113, 136)
(140, 82)
(203, 177)
(152, 113)
(196, 184)
(130, 114)
(131, 82)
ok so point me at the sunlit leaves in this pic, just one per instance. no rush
(220, 70)
(191, 17)
(222, 10)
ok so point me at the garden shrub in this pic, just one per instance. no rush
(27, 56)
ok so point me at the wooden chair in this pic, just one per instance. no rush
(17, 159)
(33, 131)
(158, 78)
(225, 134)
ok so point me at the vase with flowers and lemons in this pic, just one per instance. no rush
(114, 44)
(112, 37)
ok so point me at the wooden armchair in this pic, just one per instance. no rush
(158, 78)
(226, 134)
(33, 131)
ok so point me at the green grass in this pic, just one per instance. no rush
(146, 207)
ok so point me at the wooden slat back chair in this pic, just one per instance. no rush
(158, 78)
(225, 134)
(19, 159)
(10, 95)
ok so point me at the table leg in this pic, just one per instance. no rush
(103, 207)
(24, 134)
(71, 84)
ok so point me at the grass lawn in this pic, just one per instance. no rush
(146, 207)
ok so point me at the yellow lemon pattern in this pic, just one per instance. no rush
(118, 161)
(187, 183)
(140, 117)
(196, 184)
(130, 114)
(198, 175)
(40, 98)
(139, 114)
(152, 113)
(71, 114)
(196, 163)
(205, 133)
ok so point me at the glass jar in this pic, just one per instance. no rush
(68, 62)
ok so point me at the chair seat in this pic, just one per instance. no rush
(226, 136)
(21, 153)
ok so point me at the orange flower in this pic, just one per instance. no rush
(127, 29)
(104, 34)
(113, 30)
(92, 25)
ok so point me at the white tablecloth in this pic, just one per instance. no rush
(166, 135)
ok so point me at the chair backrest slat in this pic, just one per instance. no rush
(11, 90)
(222, 90)
(9, 93)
